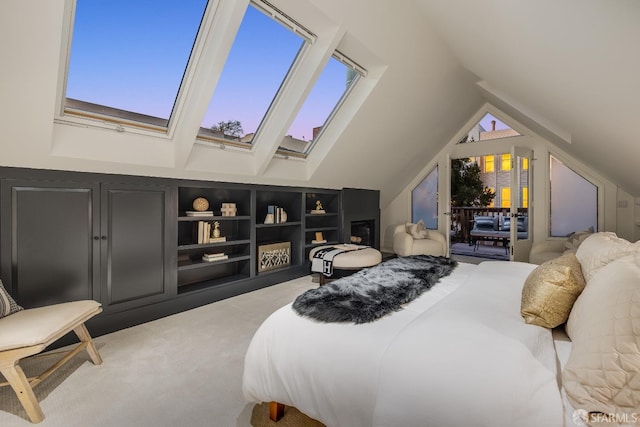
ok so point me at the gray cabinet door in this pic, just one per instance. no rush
(136, 247)
(49, 255)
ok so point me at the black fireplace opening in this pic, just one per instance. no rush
(363, 232)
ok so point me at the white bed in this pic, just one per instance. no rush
(459, 355)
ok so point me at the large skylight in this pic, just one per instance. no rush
(128, 58)
(262, 55)
(338, 76)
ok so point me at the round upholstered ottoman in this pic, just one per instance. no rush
(349, 261)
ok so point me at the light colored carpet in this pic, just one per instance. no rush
(182, 370)
(292, 418)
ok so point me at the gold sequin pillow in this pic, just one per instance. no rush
(550, 291)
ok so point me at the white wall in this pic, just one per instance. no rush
(611, 218)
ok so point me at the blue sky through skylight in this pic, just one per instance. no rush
(131, 55)
(261, 56)
(323, 98)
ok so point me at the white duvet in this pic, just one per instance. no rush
(464, 360)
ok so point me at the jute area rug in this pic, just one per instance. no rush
(292, 418)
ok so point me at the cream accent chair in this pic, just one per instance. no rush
(28, 332)
(404, 244)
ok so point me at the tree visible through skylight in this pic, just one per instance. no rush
(262, 54)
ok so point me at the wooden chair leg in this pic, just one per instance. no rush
(276, 411)
(20, 384)
(83, 334)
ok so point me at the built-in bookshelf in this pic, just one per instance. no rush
(315, 222)
(212, 261)
(278, 230)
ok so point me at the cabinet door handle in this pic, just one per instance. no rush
(96, 238)
(104, 237)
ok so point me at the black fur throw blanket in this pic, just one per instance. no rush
(371, 293)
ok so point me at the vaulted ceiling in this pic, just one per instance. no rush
(571, 66)
(567, 70)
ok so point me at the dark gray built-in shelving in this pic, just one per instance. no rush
(127, 242)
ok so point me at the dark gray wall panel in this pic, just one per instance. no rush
(52, 243)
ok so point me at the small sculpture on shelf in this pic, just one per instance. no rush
(200, 204)
(215, 234)
(319, 239)
(229, 209)
(319, 209)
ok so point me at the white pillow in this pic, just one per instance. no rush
(574, 240)
(603, 370)
(600, 249)
(418, 231)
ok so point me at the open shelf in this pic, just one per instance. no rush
(193, 272)
(282, 224)
(214, 218)
(206, 264)
(212, 245)
(327, 223)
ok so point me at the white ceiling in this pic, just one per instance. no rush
(567, 70)
(573, 65)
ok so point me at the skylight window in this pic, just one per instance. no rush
(128, 59)
(338, 77)
(489, 128)
(262, 54)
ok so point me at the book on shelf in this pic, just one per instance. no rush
(214, 258)
(204, 233)
(275, 215)
(200, 232)
(217, 239)
(199, 213)
(214, 254)
(316, 242)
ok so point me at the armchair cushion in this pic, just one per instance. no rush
(7, 304)
(486, 223)
(418, 231)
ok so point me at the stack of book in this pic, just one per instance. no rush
(199, 213)
(214, 257)
(204, 234)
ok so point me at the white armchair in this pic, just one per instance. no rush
(404, 243)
